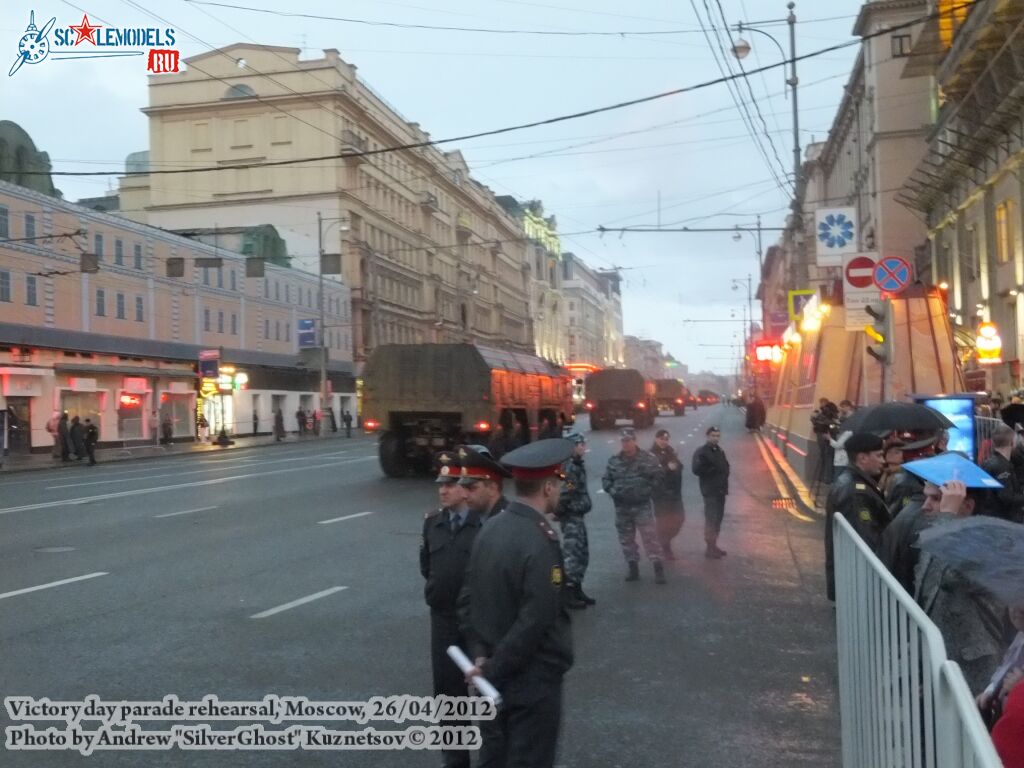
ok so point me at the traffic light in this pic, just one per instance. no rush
(880, 331)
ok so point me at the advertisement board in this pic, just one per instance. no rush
(959, 410)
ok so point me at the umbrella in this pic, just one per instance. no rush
(904, 417)
(987, 550)
(1012, 414)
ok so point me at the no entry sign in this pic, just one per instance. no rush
(859, 288)
(860, 271)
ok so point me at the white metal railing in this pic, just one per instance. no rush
(902, 703)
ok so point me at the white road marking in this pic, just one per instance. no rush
(52, 584)
(158, 488)
(296, 603)
(346, 517)
(186, 512)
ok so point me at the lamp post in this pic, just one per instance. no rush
(741, 48)
(342, 223)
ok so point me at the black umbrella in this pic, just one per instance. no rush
(1012, 414)
(902, 417)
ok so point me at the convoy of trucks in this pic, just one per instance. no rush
(619, 393)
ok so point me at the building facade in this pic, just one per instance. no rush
(594, 311)
(91, 324)
(969, 184)
(427, 251)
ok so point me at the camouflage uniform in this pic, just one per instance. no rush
(573, 504)
(630, 482)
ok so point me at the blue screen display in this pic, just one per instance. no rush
(959, 410)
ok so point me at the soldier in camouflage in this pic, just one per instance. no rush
(630, 479)
(573, 504)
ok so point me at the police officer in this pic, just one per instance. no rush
(482, 478)
(448, 535)
(904, 487)
(629, 479)
(1008, 501)
(512, 612)
(573, 503)
(669, 512)
(711, 466)
(855, 496)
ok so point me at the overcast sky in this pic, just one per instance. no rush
(693, 148)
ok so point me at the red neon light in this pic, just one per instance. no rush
(130, 401)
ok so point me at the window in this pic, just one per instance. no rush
(4, 223)
(30, 227)
(137, 256)
(206, 318)
(901, 45)
(277, 291)
(277, 330)
(30, 291)
(5, 285)
(206, 275)
(220, 321)
(266, 287)
(98, 245)
(266, 328)
(120, 306)
(119, 253)
(234, 322)
(138, 309)
(287, 331)
(234, 284)
(220, 277)
(101, 303)
(1004, 231)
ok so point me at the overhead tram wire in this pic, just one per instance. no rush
(511, 128)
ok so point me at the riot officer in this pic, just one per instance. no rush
(629, 479)
(448, 534)
(512, 612)
(573, 504)
(482, 477)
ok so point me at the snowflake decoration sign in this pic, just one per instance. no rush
(835, 233)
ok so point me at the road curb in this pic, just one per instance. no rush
(795, 493)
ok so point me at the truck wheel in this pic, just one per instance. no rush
(680, 411)
(392, 455)
(596, 422)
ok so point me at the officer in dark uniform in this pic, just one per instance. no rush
(482, 477)
(512, 613)
(905, 487)
(855, 496)
(448, 535)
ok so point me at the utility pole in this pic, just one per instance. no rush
(322, 321)
(793, 82)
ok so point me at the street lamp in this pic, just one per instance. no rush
(343, 223)
(741, 49)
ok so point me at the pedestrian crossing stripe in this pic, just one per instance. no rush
(556, 575)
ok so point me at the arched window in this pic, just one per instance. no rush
(239, 91)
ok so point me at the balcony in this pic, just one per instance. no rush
(462, 224)
(351, 145)
(428, 201)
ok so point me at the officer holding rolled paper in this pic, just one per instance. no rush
(512, 612)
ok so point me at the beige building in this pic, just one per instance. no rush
(120, 342)
(969, 185)
(428, 253)
(594, 308)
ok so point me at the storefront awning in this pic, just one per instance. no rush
(125, 370)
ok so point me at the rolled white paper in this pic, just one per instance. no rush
(482, 683)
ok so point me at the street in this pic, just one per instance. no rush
(187, 575)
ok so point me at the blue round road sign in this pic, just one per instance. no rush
(892, 274)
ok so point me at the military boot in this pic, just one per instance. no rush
(634, 571)
(659, 572)
(573, 599)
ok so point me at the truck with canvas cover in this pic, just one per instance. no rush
(619, 393)
(427, 398)
(670, 395)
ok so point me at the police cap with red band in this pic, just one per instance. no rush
(539, 460)
(448, 467)
(478, 464)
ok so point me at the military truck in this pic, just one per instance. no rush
(426, 398)
(619, 393)
(670, 395)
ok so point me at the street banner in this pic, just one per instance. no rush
(835, 234)
(307, 333)
(209, 363)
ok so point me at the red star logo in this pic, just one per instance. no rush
(85, 30)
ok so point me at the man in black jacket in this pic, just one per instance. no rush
(482, 477)
(669, 513)
(712, 467)
(448, 535)
(855, 496)
(1008, 501)
(512, 612)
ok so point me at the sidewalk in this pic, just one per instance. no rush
(37, 461)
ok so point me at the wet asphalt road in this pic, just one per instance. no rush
(187, 576)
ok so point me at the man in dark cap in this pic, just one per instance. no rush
(711, 467)
(482, 478)
(630, 479)
(573, 503)
(448, 535)
(855, 496)
(512, 612)
(904, 487)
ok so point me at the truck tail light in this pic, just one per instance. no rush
(679, 400)
(588, 405)
(641, 406)
(370, 425)
(482, 426)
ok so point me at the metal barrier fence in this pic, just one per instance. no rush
(902, 703)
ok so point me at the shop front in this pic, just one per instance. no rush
(27, 410)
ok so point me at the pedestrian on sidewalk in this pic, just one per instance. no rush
(300, 419)
(77, 433)
(255, 422)
(64, 437)
(573, 505)
(154, 427)
(347, 418)
(332, 418)
(629, 480)
(278, 425)
(167, 430)
(712, 467)
(755, 417)
(204, 429)
(669, 513)
(53, 427)
(92, 436)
